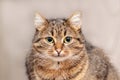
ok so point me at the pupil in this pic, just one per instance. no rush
(49, 39)
(68, 39)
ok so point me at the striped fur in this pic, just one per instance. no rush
(78, 60)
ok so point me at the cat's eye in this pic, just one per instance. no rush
(49, 39)
(67, 39)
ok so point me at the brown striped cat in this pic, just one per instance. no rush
(60, 52)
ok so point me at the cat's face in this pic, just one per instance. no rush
(58, 39)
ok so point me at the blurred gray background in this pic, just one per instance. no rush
(101, 27)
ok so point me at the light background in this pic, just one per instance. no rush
(101, 26)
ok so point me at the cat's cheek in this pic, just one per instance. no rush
(65, 53)
(53, 54)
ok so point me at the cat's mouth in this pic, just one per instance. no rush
(59, 57)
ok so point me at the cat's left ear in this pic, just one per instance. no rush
(75, 21)
(39, 21)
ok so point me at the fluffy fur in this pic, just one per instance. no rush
(62, 60)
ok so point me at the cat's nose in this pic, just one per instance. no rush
(58, 51)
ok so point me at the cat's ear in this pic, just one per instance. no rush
(39, 21)
(75, 20)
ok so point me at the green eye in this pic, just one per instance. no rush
(67, 39)
(49, 39)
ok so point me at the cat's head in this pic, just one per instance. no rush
(58, 39)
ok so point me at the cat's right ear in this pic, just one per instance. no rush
(39, 21)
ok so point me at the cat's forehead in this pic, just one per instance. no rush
(57, 22)
(58, 27)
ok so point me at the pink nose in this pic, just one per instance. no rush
(58, 51)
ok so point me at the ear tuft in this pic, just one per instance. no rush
(75, 20)
(39, 20)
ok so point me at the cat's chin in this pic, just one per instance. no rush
(59, 58)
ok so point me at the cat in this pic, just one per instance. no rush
(60, 52)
